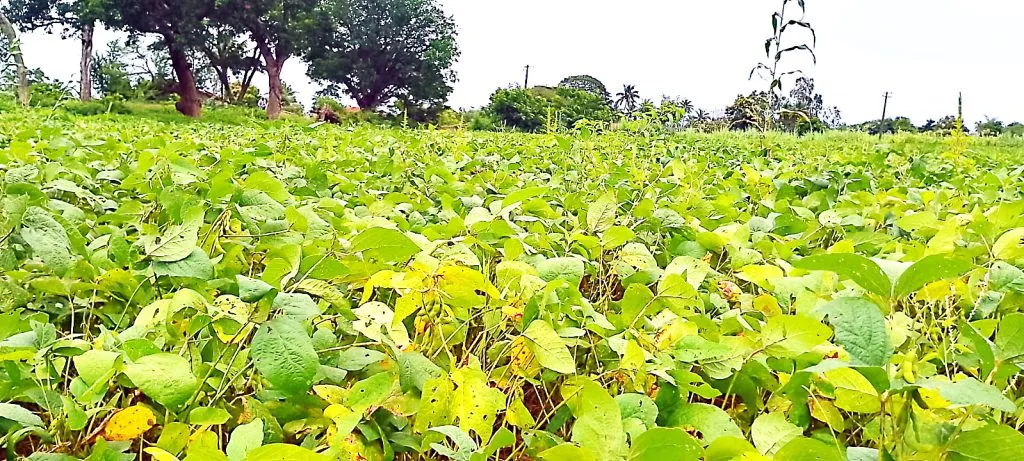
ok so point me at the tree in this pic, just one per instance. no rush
(278, 28)
(227, 56)
(14, 47)
(530, 109)
(990, 127)
(749, 111)
(586, 83)
(805, 111)
(72, 16)
(382, 51)
(946, 125)
(180, 24)
(627, 99)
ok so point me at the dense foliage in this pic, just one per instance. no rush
(380, 52)
(204, 291)
(543, 109)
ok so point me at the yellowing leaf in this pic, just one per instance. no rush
(761, 276)
(1010, 245)
(853, 391)
(129, 423)
(159, 454)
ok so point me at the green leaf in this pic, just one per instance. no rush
(616, 236)
(860, 329)
(805, 449)
(415, 370)
(930, 269)
(196, 265)
(176, 243)
(792, 335)
(771, 431)
(711, 421)
(296, 306)
(252, 290)
(284, 452)
(994, 442)
(165, 378)
(1010, 338)
(601, 213)
(93, 364)
(357, 358)
(568, 269)
(598, 425)
(245, 438)
(665, 444)
(370, 392)
(284, 355)
(550, 350)
(970, 391)
(385, 244)
(19, 415)
(861, 270)
(48, 239)
(982, 346)
(208, 416)
(862, 454)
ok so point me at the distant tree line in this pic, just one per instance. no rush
(381, 53)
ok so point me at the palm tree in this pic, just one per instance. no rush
(626, 100)
(701, 115)
(686, 105)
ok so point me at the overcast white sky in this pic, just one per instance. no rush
(924, 51)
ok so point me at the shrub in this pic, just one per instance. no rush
(528, 109)
(107, 105)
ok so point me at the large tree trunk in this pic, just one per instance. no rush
(85, 91)
(274, 65)
(189, 102)
(12, 40)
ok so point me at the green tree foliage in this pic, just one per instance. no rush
(945, 126)
(70, 16)
(382, 51)
(530, 109)
(278, 28)
(586, 83)
(229, 56)
(132, 69)
(749, 112)
(180, 25)
(989, 127)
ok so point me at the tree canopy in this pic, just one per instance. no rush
(586, 83)
(382, 51)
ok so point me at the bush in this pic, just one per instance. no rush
(528, 109)
(108, 105)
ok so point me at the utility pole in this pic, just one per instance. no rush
(526, 82)
(885, 108)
